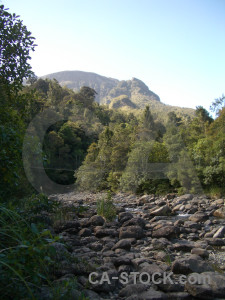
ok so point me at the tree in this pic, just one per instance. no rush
(15, 44)
(218, 104)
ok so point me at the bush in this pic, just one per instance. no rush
(106, 208)
(25, 256)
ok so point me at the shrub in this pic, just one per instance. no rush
(106, 208)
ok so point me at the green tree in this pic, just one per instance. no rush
(15, 44)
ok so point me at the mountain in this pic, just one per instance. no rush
(124, 94)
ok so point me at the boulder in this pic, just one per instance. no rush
(131, 232)
(209, 286)
(219, 213)
(123, 244)
(166, 231)
(193, 263)
(220, 232)
(96, 220)
(161, 211)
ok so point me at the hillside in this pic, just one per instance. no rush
(113, 92)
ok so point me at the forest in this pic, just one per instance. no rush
(91, 147)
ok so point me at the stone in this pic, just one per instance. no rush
(210, 286)
(153, 295)
(198, 217)
(123, 244)
(219, 213)
(124, 216)
(220, 233)
(193, 263)
(96, 220)
(85, 232)
(135, 221)
(184, 245)
(131, 232)
(201, 252)
(71, 227)
(102, 232)
(166, 231)
(161, 211)
(91, 295)
(132, 289)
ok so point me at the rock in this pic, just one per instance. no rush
(160, 244)
(184, 198)
(61, 251)
(124, 216)
(193, 263)
(71, 227)
(85, 232)
(122, 260)
(150, 269)
(131, 232)
(123, 244)
(105, 286)
(153, 295)
(102, 232)
(192, 225)
(220, 232)
(210, 286)
(201, 252)
(167, 231)
(133, 289)
(135, 221)
(96, 246)
(161, 211)
(219, 213)
(91, 295)
(96, 220)
(198, 217)
(184, 245)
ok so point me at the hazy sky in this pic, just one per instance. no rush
(177, 47)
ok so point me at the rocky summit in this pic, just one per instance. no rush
(170, 247)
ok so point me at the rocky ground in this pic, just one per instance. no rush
(152, 236)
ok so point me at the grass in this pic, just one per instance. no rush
(27, 253)
(106, 208)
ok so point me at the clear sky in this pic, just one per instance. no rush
(177, 47)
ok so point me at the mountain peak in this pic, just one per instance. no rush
(107, 88)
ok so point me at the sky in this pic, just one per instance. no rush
(176, 47)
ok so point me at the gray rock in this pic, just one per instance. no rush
(219, 213)
(135, 221)
(96, 221)
(184, 245)
(123, 244)
(198, 217)
(167, 231)
(103, 232)
(220, 232)
(161, 211)
(153, 295)
(193, 263)
(124, 216)
(201, 252)
(131, 232)
(85, 232)
(212, 288)
(132, 289)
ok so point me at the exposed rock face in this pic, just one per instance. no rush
(145, 246)
(107, 88)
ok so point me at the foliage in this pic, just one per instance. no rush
(106, 208)
(25, 256)
(16, 43)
